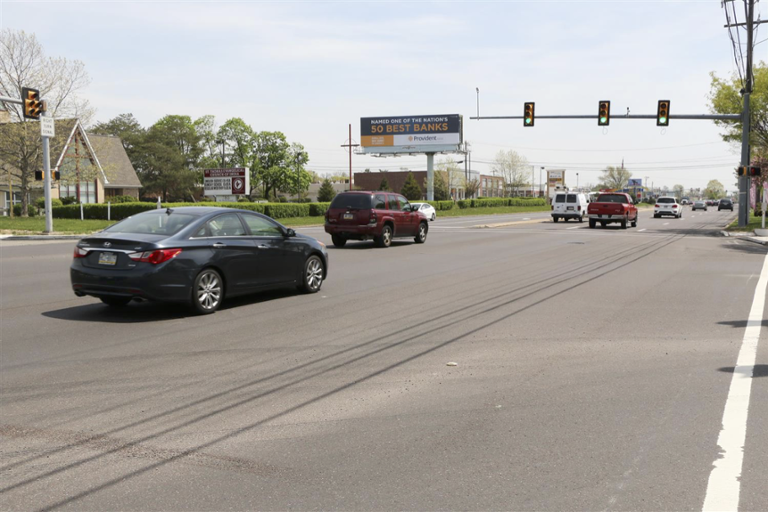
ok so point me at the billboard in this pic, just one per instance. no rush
(635, 182)
(226, 182)
(411, 132)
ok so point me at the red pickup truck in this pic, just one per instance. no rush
(612, 207)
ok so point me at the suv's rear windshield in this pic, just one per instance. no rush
(571, 198)
(352, 201)
(725, 201)
(155, 223)
(560, 198)
(612, 198)
(666, 200)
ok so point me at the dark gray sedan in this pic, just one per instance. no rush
(198, 255)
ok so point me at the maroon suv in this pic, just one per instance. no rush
(378, 215)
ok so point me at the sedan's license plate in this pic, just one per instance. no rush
(348, 216)
(107, 258)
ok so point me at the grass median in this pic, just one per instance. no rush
(36, 225)
(753, 224)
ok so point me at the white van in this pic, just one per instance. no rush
(569, 205)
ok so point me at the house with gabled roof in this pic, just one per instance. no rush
(92, 168)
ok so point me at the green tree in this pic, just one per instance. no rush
(270, 160)
(714, 190)
(384, 184)
(441, 190)
(326, 192)
(296, 178)
(411, 189)
(614, 178)
(237, 139)
(125, 127)
(678, 190)
(725, 98)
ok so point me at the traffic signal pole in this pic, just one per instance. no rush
(47, 182)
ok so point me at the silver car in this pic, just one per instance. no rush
(699, 205)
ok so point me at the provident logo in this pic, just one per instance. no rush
(422, 138)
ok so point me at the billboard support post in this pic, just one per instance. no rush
(430, 176)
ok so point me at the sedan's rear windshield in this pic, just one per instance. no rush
(154, 223)
(666, 200)
(352, 201)
(612, 198)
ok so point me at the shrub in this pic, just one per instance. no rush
(68, 200)
(122, 199)
(40, 203)
(318, 209)
(31, 210)
(243, 199)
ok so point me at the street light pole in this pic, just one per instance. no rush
(577, 182)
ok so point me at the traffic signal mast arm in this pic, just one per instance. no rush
(718, 117)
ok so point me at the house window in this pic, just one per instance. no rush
(87, 191)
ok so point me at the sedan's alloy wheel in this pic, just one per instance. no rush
(209, 291)
(314, 274)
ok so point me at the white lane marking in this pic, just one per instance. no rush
(666, 223)
(641, 230)
(575, 227)
(725, 479)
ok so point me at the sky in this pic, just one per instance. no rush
(310, 69)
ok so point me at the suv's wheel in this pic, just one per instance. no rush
(312, 278)
(421, 236)
(338, 240)
(434, 216)
(555, 219)
(115, 302)
(207, 292)
(385, 239)
(581, 218)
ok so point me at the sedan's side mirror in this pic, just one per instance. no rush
(290, 232)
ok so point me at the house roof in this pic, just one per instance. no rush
(109, 155)
(114, 161)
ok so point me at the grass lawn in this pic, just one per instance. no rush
(36, 225)
(466, 212)
(754, 223)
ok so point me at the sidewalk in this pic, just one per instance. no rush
(750, 237)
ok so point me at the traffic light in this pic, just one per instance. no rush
(33, 107)
(528, 114)
(662, 113)
(604, 113)
(753, 171)
(40, 175)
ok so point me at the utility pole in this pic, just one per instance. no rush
(349, 147)
(744, 181)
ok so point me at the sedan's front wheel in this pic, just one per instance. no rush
(313, 275)
(207, 292)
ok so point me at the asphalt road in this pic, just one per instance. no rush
(592, 372)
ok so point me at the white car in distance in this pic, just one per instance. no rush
(425, 208)
(667, 206)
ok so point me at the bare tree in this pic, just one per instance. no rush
(453, 175)
(514, 168)
(614, 178)
(23, 63)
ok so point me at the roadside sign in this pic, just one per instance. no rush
(46, 127)
(225, 182)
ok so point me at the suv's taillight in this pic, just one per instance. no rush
(374, 219)
(578, 208)
(155, 257)
(657, 206)
(553, 207)
(80, 253)
(327, 215)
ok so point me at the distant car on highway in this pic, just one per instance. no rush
(725, 204)
(381, 216)
(613, 207)
(667, 206)
(425, 208)
(685, 200)
(197, 255)
(699, 205)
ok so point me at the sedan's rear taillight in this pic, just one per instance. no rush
(80, 253)
(155, 257)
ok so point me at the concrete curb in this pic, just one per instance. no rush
(754, 239)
